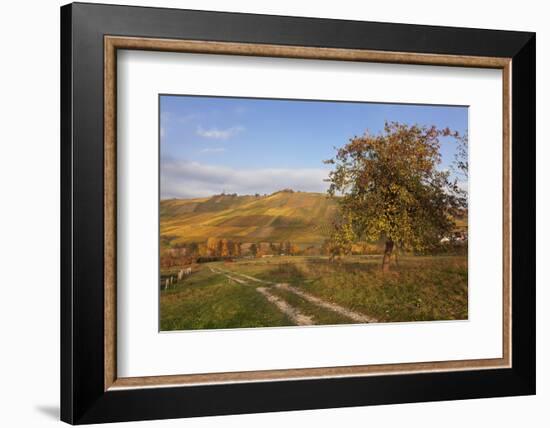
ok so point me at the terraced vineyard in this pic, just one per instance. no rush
(300, 217)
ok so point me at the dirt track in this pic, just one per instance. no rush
(289, 310)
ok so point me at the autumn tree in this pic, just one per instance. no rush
(166, 258)
(460, 164)
(225, 248)
(274, 248)
(213, 246)
(202, 250)
(237, 249)
(391, 188)
(286, 247)
(193, 249)
(294, 250)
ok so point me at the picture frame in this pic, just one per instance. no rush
(91, 391)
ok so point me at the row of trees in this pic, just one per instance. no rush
(216, 247)
(221, 247)
(180, 254)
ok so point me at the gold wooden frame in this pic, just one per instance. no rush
(113, 43)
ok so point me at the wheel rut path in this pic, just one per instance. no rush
(294, 313)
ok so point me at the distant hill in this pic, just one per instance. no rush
(300, 217)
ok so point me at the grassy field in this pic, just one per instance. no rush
(208, 300)
(224, 295)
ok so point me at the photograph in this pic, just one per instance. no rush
(281, 212)
(278, 210)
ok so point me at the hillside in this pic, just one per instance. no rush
(300, 217)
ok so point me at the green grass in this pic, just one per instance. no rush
(206, 300)
(420, 288)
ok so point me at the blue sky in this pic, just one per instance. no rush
(245, 145)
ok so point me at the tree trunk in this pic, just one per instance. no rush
(395, 257)
(387, 256)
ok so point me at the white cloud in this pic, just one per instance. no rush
(213, 150)
(187, 117)
(184, 179)
(219, 134)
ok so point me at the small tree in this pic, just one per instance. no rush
(274, 248)
(237, 249)
(294, 250)
(286, 248)
(213, 246)
(202, 250)
(225, 248)
(391, 189)
(193, 249)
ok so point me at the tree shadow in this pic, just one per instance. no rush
(286, 272)
(349, 264)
